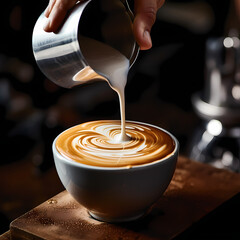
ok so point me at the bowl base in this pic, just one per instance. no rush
(116, 220)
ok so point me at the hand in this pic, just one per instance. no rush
(145, 16)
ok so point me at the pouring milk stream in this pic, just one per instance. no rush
(110, 63)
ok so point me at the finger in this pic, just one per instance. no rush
(57, 14)
(49, 8)
(145, 16)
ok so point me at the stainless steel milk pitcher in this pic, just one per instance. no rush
(59, 55)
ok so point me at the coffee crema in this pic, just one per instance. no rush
(96, 143)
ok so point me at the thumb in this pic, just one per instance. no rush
(145, 16)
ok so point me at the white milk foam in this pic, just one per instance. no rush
(110, 63)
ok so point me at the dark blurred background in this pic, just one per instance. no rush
(34, 110)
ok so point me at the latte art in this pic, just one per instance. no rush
(97, 143)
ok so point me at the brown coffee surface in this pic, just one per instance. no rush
(96, 143)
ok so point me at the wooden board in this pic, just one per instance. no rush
(5, 236)
(196, 190)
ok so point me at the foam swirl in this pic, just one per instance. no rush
(96, 143)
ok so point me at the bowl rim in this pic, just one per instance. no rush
(140, 166)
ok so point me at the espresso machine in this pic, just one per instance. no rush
(217, 140)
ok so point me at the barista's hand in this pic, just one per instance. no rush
(145, 15)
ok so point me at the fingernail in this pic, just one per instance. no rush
(147, 37)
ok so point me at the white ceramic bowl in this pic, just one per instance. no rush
(116, 194)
